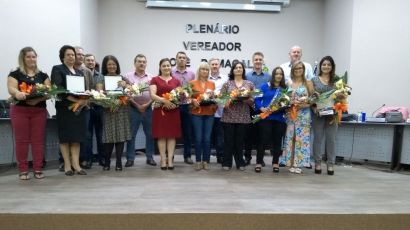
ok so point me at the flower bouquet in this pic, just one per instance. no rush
(333, 102)
(136, 89)
(179, 96)
(295, 102)
(242, 94)
(340, 98)
(111, 102)
(38, 90)
(237, 95)
(280, 102)
(207, 98)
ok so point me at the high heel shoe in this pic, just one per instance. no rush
(81, 172)
(170, 167)
(330, 171)
(163, 167)
(69, 173)
(318, 167)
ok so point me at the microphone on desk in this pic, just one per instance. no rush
(378, 109)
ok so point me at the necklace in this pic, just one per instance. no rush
(324, 80)
(31, 77)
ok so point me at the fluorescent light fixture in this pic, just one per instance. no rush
(212, 6)
(283, 3)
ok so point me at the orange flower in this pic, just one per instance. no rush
(265, 114)
(25, 88)
(74, 107)
(293, 112)
(167, 96)
(339, 108)
(123, 100)
(234, 93)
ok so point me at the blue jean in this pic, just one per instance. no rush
(136, 119)
(203, 129)
(186, 129)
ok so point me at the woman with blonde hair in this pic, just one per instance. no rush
(298, 119)
(202, 115)
(28, 116)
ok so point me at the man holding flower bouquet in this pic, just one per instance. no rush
(140, 112)
(184, 75)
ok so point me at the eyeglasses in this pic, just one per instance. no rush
(299, 68)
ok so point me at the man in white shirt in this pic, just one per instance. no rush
(295, 54)
(217, 130)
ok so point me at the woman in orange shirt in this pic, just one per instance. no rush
(202, 111)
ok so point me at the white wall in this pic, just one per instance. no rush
(89, 26)
(45, 25)
(380, 54)
(127, 28)
(337, 33)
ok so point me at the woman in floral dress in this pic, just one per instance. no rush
(298, 119)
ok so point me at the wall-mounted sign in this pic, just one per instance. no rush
(212, 29)
(216, 29)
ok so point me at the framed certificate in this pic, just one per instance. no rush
(111, 83)
(75, 84)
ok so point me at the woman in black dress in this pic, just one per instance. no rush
(71, 126)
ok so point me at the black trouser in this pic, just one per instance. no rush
(234, 135)
(271, 133)
(251, 138)
(119, 148)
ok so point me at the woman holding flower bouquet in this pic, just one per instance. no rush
(71, 126)
(272, 128)
(28, 116)
(324, 127)
(116, 128)
(236, 115)
(166, 123)
(297, 140)
(203, 110)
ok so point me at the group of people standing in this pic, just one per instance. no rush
(228, 126)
